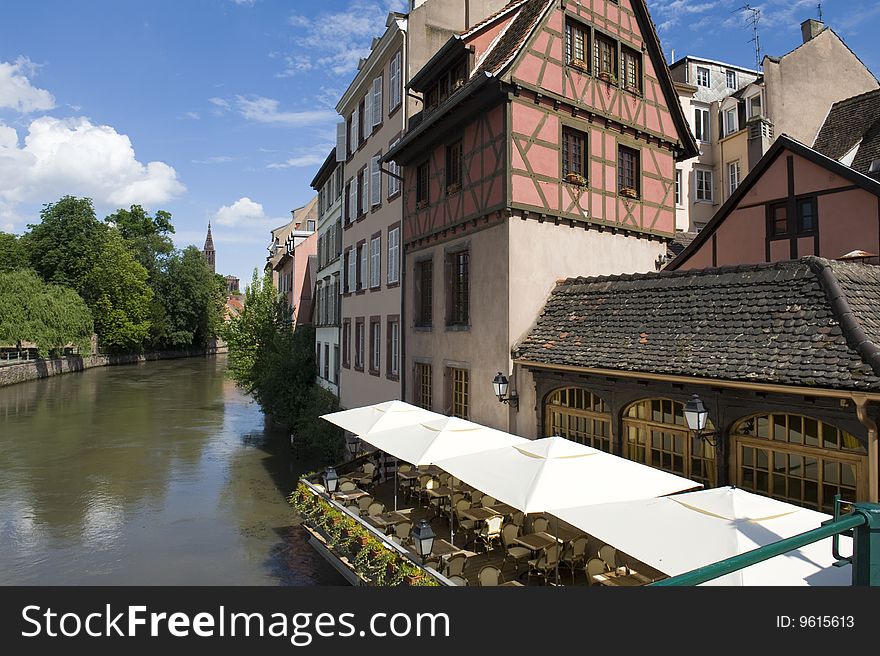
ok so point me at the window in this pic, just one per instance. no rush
(349, 196)
(731, 79)
(352, 133)
(632, 69)
(359, 344)
(339, 174)
(346, 342)
(577, 44)
(375, 342)
(310, 225)
(778, 219)
(733, 176)
(703, 78)
(574, 156)
(580, 416)
(335, 363)
(318, 358)
(627, 172)
(362, 266)
(375, 261)
(393, 183)
(375, 181)
(350, 279)
(363, 183)
(393, 255)
(701, 125)
(361, 122)
(459, 300)
(424, 289)
(798, 459)
(730, 121)
(678, 187)
(394, 82)
(753, 106)
(656, 434)
(424, 394)
(453, 167)
(422, 184)
(326, 361)
(376, 118)
(704, 185)
(393, 331)
(460, 395)
(806, 212)
(605, 58)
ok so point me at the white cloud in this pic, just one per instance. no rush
(192, 115)
(219, 102)
(336, 41)
(244, 212)
(74, 156)
(312, 156)
(266, 110)
(16, 90)
(218, 159)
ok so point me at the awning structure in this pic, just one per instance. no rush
(680, 533)
(381, 416)
(553, 472)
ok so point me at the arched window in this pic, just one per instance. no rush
(656, 434)
(579, 415)
(798, 459)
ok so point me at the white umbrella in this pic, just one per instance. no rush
(553, 472)
(680, 533)
(381, 416)
(428, 442)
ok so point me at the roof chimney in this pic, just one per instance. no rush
(810, 28)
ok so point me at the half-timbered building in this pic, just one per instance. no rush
(545, 148)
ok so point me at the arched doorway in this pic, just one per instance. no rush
(578, 415)
(656, 434)
(798, 459)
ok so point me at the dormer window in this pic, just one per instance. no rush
(448, 83)
(731, 123)
(577, 45)
(753, 106)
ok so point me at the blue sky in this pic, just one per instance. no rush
(223, 110)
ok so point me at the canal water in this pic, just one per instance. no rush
(161, 473)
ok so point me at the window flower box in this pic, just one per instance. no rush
(453, 189)
(580, 64)
(608, 77)
(576, 178)
(421, 204)
(629, 192)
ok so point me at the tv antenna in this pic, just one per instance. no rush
(820, 12)
(754, 18)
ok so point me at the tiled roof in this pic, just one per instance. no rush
(679, 242)
(514, 36)
(808, 322)
(849, 122)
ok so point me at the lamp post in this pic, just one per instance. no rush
(501, 385)
(423, 538)
(353, 445)
(331, 480)
(697, 417)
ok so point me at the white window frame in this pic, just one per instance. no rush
(702, 124)
(733, 176)
(394, 255)
(376, 261)
(354, 138)
(728, 74)
(678, 187)
(749, 100)
(362, 252)
(376, 350)
(707, 195)
(708, 72)
(375, 181)
(394, 81)
(359, 362)
(368, 114)
(393, 183)
(351, 280)
(394, 329)
(376, 119)
(731, 126)
(352, 200)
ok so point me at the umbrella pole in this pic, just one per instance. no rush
(396, 466)
(557, 551)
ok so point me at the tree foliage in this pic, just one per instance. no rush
(68, 242)
(147, 236)
(13, 253)
(118, 294)
(276, 365)
(50, 316)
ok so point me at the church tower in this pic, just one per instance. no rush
(209, 252)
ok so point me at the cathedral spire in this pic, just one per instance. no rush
(209, 252)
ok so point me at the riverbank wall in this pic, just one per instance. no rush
(36, 369)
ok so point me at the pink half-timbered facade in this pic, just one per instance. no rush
(545, 148)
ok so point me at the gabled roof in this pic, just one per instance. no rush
(849, 122)
(782, 143)
(504, 51)
(805, 323)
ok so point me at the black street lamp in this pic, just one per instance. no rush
(354, 444)
(697, 417)
(331, 480)
(501, 385)
(423, 538)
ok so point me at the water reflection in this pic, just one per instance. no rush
(159, 473)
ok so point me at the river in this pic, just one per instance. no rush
(161, 473)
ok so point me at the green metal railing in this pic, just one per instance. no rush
(863, 521)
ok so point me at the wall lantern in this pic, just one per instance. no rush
(423, 537)
(501, 385)
(697, 417)
(331, 480)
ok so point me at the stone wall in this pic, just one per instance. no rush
(19, 373)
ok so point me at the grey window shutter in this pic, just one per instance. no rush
(341, 146)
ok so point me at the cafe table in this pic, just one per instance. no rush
(354, 495)
(621, 577)
(387, 519)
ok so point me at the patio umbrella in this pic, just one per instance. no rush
(550, 473)
(680, 533)
(428, 442)
(381, 416)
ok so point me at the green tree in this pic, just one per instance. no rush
(50, 316)
(66, 245)
(190, 300)
(13, 253)
(119, 296)
(147, 236)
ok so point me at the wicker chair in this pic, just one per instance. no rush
(489, 576)
(512, 550)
